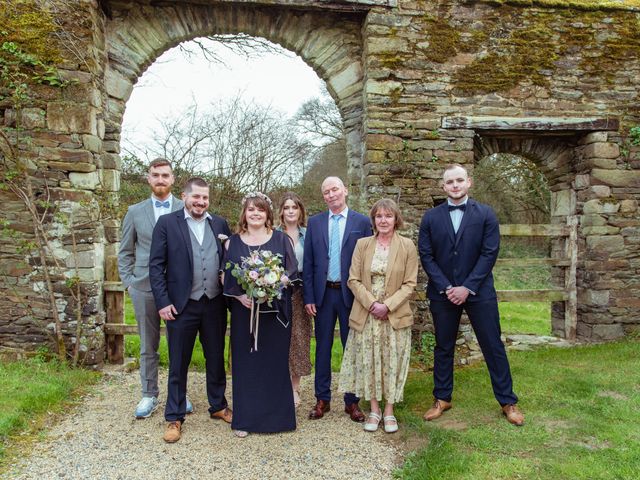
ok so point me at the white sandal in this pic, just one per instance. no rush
(370, 426)
(240, 433)
(390, 427)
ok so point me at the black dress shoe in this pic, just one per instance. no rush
(319, 410)
(354, 412)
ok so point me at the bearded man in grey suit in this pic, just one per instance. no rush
(133, 264)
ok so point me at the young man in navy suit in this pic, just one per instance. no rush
(328, 248)
(184, 265)
(458, 244)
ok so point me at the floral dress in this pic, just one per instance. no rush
(375, 363)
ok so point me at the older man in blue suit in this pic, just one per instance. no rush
(458, 244)
(328, 248)
(184, 265)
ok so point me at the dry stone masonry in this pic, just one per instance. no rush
(419, 84)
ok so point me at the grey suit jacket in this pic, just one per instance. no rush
(135, 243)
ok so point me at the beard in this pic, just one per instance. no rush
(195, 215)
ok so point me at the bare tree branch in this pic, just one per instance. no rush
(239, 44)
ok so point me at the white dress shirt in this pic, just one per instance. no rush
(159, 211)
(197, 226)
(456, 215)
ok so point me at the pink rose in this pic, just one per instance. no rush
(253, 275)
(285, 280)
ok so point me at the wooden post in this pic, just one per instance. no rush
(571, 303)
(114, 303)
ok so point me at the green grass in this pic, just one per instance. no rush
(523, 317)
(582, 419)
(519, 317)
(31, 391)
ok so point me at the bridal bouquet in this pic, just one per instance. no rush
(261, 275)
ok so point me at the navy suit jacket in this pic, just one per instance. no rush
(171, 258)
(316, 254)
(465, 259)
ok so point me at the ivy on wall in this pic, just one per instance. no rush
(27, 53)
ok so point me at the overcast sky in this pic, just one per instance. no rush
(169, 85)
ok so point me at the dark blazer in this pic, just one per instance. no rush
(316, 254)
(465, 259)
(171, 258)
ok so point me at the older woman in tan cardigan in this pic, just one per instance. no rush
(383, 276)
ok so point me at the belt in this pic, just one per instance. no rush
(335, 285)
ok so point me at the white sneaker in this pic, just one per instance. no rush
(146, 407)
(189, 408)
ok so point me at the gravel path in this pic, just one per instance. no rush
(100, 439)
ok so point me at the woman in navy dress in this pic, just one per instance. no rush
(262, 393)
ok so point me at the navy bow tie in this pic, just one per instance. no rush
(163, 204)
(458, 207)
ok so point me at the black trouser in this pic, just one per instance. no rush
(208, 317)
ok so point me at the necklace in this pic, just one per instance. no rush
(383, 245)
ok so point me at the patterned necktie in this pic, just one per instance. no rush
(162, 204)
(334, 250)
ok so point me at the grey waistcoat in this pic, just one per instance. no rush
(205, 266)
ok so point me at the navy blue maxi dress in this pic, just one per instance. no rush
(262, 392)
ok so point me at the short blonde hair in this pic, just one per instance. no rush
(390, 206)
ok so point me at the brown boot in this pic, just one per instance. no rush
(172, 433)
(513, 414)
(437, 409)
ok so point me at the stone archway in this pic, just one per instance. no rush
(331, 45)
(556, 158)
(576, 162)
(415, 82)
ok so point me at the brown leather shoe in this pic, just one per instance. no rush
(173, 432)
(319, 410)
(354, 412)
(437, 409)
(513, 414)
(225, 414)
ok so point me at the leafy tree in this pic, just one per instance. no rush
(514, 186)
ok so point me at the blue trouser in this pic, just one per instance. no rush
(332, 308)
(209, 319)
(485, 321)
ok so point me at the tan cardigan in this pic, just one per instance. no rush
(399, 284)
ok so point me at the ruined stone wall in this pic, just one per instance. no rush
(426, 61)
(59, 135)
(398, 73)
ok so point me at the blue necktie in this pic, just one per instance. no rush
(334, 250)
(163, 204)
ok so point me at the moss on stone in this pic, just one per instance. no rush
(545, 36)
(31, 27)
(621, 47)
(390, 60)
(584, 5)
(444, 40)
(526, 54)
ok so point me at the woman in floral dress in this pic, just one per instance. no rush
(383, 276)
(293, 219)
